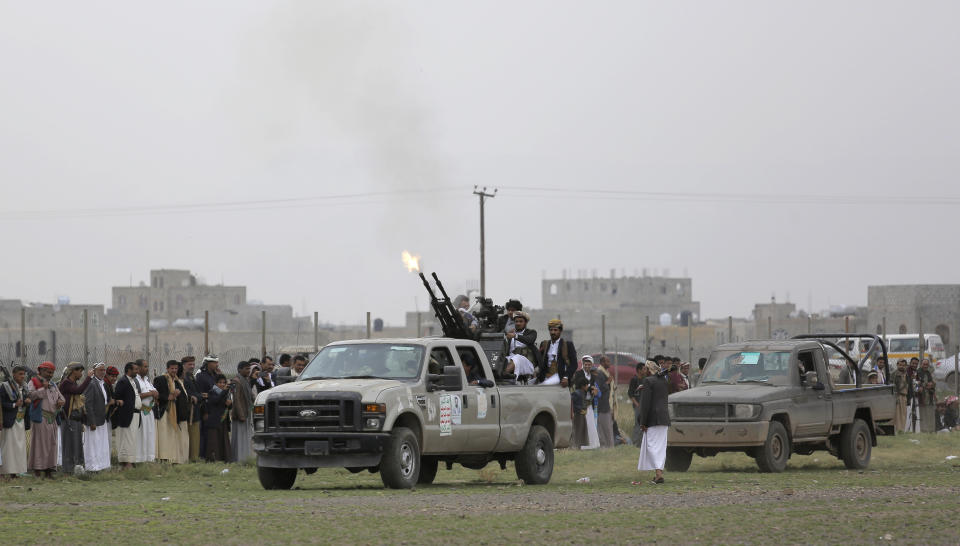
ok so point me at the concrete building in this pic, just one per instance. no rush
(52, 332)
(907, 308)
(177, 300)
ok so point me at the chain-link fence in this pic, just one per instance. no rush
(11, 354)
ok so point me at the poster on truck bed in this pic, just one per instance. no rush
(446, 415)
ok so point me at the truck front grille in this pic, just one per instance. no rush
(700, 411)
(314, 413)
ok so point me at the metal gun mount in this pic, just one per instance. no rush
(450, 320)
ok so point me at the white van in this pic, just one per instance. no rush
(905, 346)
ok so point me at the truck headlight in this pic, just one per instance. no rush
(373, 416)
(744, 411)
(258, 418)
(670, 411)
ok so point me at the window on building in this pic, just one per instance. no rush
(613, 290)
(42, 348)
(553, 289)
(903, 329)
(179, 300)
(122, 301)
(586, 287)
(161, 282)
(879, 329)
(143, 302)
(161, 306)
(663, 289)
(188, 312)
(154, 306)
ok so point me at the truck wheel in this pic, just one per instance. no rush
(773, 455)
(400, 466)
(951, 379)
(678, 459)
(855, 445)
(534, 461)
(428, 470)
(276, 478)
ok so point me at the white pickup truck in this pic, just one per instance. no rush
(400, 407)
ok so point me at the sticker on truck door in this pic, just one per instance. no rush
(457, 409)
(446, 415)
(481, 405)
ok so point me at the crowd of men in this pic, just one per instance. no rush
(77, 422)
(918, 409)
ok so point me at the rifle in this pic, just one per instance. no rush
(450, 320)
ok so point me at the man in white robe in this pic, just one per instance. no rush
(127, 416)
(96, 431)
(13, 438)
(147, 446)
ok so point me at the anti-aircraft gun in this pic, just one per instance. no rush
(451, 321)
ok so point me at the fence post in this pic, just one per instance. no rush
(316, 332)
(263, 334)
(690, 339)
(206, 333)
(769, 327)
(368, 324)
(86, 347)
(729, 328)
(146, 347)
(646, 336)
(920, 347)
(603, 334)
(809, 324)
(23, 336)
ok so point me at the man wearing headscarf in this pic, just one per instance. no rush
(71, 427)
(241, 414)
(558, 357)
(655, 421)
(171, 412)
(594, 387)
(193, 393)
(96, 435)
(147, 445)
(45, 402)
(13, 439)
(206, 380)
(126, 418)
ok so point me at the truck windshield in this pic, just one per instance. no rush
(770, 367)
(373, 360)
(908, 345)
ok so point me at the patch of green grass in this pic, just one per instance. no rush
(206, 505)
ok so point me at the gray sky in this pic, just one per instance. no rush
(125, 129)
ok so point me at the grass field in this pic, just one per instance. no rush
(908, 495)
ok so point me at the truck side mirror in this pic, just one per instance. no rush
(810, 378)
(450, 380)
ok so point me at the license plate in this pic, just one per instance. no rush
(316, 448)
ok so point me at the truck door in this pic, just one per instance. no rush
(814, 408)
(481, 406)
(442, 434)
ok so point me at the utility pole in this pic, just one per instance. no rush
(482, 194)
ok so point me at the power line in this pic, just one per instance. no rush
(227, 206)
(787, 198)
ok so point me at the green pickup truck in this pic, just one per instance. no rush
(401, 407)
(770, 399)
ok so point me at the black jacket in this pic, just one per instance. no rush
(528, 338)
(7, 401)
(566, 367)
(653, 402)
(190, 382)
(163, 390)
(124, 390)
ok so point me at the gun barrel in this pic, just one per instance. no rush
(440, 285)
(427, 285)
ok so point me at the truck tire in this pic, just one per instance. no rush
(534, 461)
(276, 478)
(855, 444)
(400, 466)
(773, 454)
(428, 470)
(678, 459)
